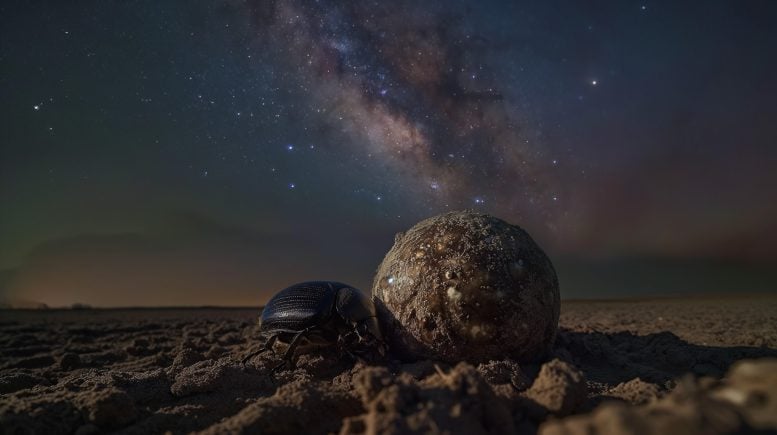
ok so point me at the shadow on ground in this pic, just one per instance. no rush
(660, 358)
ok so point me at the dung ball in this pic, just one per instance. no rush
(467, 286)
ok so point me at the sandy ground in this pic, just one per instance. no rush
(664, 366)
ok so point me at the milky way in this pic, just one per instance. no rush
(413, 88)
(214, 152)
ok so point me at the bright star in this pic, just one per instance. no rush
(292, 185)
(594, 82)
(290, 147)
(36, 107)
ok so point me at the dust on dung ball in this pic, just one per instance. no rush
(467, 286)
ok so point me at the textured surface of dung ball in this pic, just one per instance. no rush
(467, 286)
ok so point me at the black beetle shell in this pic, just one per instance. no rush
(300, 306)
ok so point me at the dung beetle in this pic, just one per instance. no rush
(321, 313)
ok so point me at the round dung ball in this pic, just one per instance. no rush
(467, 286)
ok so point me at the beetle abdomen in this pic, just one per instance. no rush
(300, 306)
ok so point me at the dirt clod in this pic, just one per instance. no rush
(109, 408)
(560, 388)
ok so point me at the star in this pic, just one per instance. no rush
(292, 185)
(594, 82)
(36, 107)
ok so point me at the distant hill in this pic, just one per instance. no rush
(16, 304)
(650, 277)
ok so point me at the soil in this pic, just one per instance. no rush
(704, 365)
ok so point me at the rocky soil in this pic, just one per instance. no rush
(703, 366)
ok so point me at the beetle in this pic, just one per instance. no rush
(321, 313)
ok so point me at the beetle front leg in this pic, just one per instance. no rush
(268, 345)
(289, 354)
(343, 342)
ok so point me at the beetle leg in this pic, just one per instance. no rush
(351, 355)
(268, 344)
(361, 330)
(289, 354)
(343, 340)
(346, 338)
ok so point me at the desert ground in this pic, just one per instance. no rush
(685, 366)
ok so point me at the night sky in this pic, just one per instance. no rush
(212, 152)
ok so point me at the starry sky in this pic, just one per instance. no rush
(156, 154)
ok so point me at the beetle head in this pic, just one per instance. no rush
(358, 311)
